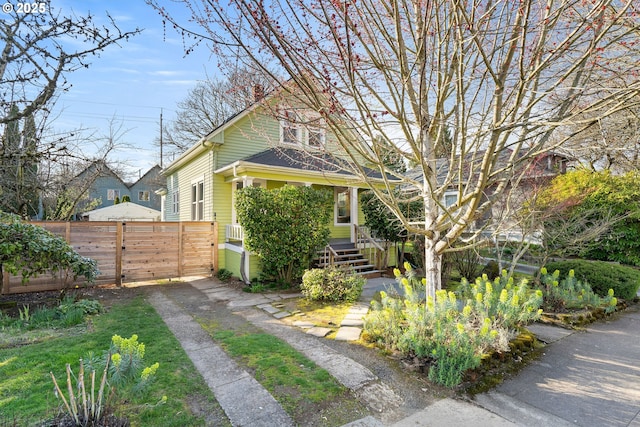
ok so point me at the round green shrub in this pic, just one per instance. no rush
(331, 284)
(492, 270)
(224, 274)
(602, 276)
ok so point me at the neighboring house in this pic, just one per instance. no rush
(102, 183)
(123, 212)
(535, 174)
(254, 148)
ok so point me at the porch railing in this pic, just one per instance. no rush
(234, 232)
(369, 247)
(329, 255)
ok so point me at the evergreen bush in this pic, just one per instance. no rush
(331, 284)
(601, 276)
(31, 250)
(571, 293)
(284, 227)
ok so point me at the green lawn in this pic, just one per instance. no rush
(26, 389)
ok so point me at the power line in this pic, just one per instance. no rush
(155, 107)
(125, 117)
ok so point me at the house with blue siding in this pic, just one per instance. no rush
(104, 185)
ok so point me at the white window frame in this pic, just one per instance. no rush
(175, 201)
(322, 138)
(113, 194)
(336, 209)
(144, 196)
(287, 124)
(447, 196)
(197, 200)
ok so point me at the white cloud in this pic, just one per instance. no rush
(166, 73)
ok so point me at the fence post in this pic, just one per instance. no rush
(119, 245)
(181, 226)
(5, 283)
(214, 246)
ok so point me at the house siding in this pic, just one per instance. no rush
(199, 168)
(249, 136)
(232, 262)
(221, 198)
(151, 181)
(97, 179)
(101, 187)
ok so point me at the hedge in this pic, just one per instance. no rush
(602, 276)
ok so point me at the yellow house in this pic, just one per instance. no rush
(259, 148)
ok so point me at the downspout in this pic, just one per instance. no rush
(242, 267)
(214, 166)
(243, 255)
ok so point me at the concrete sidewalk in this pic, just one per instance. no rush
(586, 378)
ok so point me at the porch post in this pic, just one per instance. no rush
(353, 199)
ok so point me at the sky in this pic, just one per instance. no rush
(131, 83)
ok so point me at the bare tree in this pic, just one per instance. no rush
(40, 49)
(611, 142)
(37, 52)
(210, 103)
(503, 76)
(62, 192)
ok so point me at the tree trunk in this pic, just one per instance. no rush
(432, 267)
(432, 259)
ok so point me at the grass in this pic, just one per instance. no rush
(297, 383)
(26, 391)
(276, 365)
(320, 313)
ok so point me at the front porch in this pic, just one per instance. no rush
(364, 254)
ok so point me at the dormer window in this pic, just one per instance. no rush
(315, 138)
(289, 133)
(295, 130)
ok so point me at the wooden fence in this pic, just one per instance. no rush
(131, 252)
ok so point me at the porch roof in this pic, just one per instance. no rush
(299, 163)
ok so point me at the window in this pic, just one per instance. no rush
(343, 205)
(175, 202)
(289, 133)
(197, 201)
(315, 138)
(450, 199)
(113, 194)
(143, 196)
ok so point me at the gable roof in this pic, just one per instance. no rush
(206, 142)
(100, 168)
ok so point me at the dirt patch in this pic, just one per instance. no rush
(11, 304)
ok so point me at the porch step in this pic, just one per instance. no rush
(373, 274)
(348, 255)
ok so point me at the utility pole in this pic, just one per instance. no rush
(161, 132)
